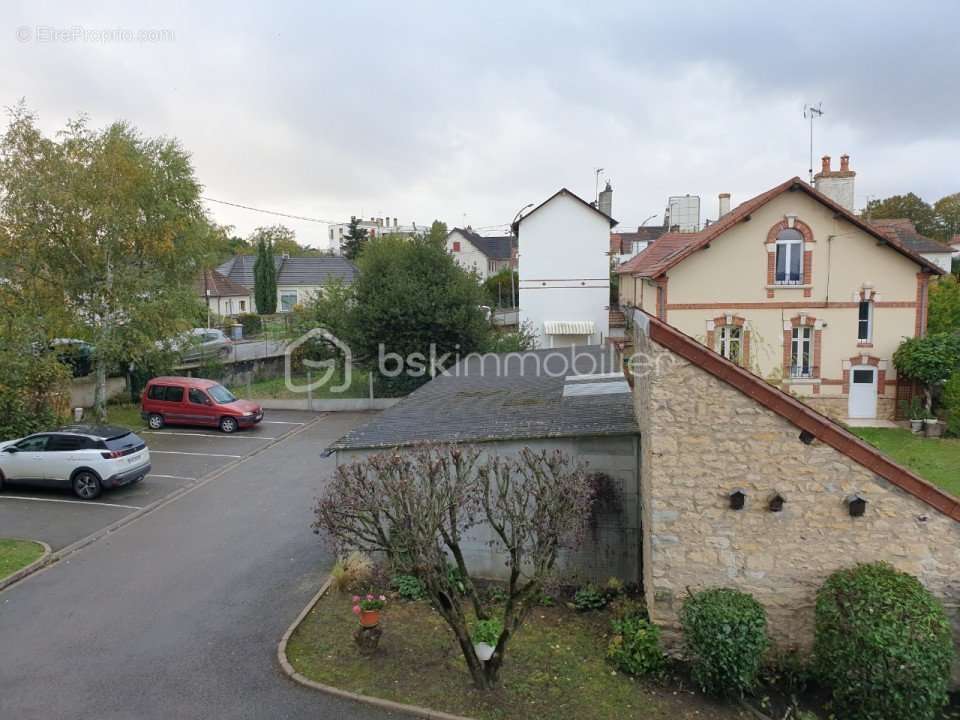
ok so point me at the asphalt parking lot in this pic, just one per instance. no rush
(180, 457)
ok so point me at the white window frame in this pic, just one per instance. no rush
(287, 293)
(730, 335)
(801, 336)
(869, 323)
(789, 247)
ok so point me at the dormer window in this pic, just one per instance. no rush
(789, 258)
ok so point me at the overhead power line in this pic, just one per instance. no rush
(272, 212)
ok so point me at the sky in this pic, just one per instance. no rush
(466, 112)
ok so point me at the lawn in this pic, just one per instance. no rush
(16, 554)
(555, 667)
(277, 388)
(125, 415)
(934, 459)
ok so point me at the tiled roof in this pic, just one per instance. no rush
(673, 248)
(292, 270)
(219, 286)
(487, 398)
(905, 231)
(558, 193)
(800, 414)
(494, 247)
(621, 243)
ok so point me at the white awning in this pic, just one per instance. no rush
(568, 327)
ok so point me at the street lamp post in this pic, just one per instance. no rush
(513, 291)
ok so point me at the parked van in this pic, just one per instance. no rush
(195, 401)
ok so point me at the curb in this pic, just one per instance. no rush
(28, 569)
(55, 557)
(288, 669)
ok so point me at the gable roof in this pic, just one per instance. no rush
(509, 396)
(292, 270)
(905, 231)
(621, 243)
(673, 248)
(498, 247)
(801, 415)
(219, 285)
(558, 193)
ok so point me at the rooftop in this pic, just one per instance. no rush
(291, 270)
(509, 396)
(903, 230)
(498, 247)
(218, 285)
(621, 243)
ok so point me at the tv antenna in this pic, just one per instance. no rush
(596, 185)
(810, 112)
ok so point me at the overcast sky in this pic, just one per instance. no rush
(466, 112)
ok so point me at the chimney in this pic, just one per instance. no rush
(394, 223)
(724, 204)
(838, 185)
(605, 204)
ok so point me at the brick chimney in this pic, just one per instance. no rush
(836, 184)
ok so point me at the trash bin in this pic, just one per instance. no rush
(236, 332)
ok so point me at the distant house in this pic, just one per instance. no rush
(904, 231)
(565, 271)
(298, 278)
(796, 287)
(222, 295)
(624, 245)
(375, 227)
(484, 255)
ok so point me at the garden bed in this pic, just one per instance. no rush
(555, 667)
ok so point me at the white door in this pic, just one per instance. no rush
(863, 392)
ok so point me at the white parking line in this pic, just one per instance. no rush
(171, 477)
(74, 502)
(175, 452)
(209, 435)
(280, 422)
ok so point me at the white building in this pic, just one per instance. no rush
(565, 271)
(375, 227)
(484, 255)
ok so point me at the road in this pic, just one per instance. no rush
(177, 615)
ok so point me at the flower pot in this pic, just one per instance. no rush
(916, 426)
(369, 618)
(484, 651)
(932, 428)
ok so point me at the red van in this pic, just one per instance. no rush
(194, 401)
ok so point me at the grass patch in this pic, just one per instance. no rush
(555, 667)
(934, 459)
(125, 415)
(17, 554)
(277, 387)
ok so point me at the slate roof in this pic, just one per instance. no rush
(488, 398)
(674, 247)
(621, 243)
(219, 285)
(494, 247)
(291, 270)
(905, 231)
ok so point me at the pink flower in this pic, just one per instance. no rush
(356, 609)
(369, 597)
(383, 598)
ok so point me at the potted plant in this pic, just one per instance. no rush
(932, 427)
(485, 635)
(368, 609)
(915, 411)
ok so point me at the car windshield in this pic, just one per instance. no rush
(221, 394)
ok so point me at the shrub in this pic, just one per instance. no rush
(352, 572)
(725, 634)
(883, 643)
(252, 323)
(487, 631)
(635, 646)
(408, 587)
(589, 597)
(951, 399)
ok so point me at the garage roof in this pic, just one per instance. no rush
(507, 396)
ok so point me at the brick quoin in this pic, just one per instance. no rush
(807, 254)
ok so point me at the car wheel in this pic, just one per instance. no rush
(228, 424)
(155, 421)
(86, 485)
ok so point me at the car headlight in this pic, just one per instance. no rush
(249, 413)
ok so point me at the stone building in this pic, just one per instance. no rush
(710, 429)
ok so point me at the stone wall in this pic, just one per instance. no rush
(701, 439)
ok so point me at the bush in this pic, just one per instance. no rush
(883, 644)
(635, 646)
(725, 634)
(408, 587)
(487, 631)
(350, 573)
(590, 597)
(252, 323)
(951, 399)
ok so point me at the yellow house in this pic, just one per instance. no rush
(797, 288)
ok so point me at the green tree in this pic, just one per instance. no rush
(438, 233)
(929, 360)
(265, 278)
(944, 313)
(905, 206)
(498, 289)
(948, 213)
(353, 241)
(283, 240)
(111, 224)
